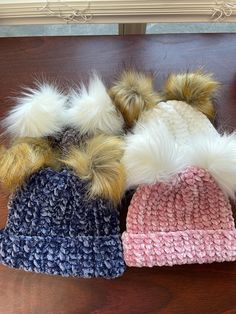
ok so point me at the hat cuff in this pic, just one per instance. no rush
(82, 256)
(181, 247)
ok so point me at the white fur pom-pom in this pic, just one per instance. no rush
(39, 112)
(151, 156)
(217, 154)
(92, 110)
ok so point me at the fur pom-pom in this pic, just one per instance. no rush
(133, 94)
(14, 166)
(196, 89)
(98, 161)
(92, 111)
(39, 112)
(24, 158)
(217, 154)
(151, 156)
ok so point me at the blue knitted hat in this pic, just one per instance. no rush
(54, 228)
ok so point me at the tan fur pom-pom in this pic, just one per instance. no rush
(98, 160)
(14, 165)
(42, 153)
(133, 94)
(195, 88)
(25, 157)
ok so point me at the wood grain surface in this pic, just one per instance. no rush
(202, 289)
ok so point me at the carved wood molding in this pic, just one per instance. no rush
(114, 11)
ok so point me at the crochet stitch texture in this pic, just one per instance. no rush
(65, 140)
(188, 220)
(181, 120)
(54, 228)
(70, 138)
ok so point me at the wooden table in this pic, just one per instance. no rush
(180, 289)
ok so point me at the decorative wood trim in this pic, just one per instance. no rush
(114, 11)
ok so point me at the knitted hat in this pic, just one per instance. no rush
(68, 138)
(133, 94)
(54, 228)
(61, 120)
(180, 212)
(181, 120)
(64, 222)
(188, 220)
(161, 138)
(158, 139)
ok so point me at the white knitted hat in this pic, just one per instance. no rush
(181, 120)
(170, 138)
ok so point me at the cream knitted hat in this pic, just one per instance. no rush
(173, 137)
(181, 120)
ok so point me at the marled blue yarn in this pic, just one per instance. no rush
(53, 228)
(68, 138)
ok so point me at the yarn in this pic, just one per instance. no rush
(53, 228)
(188, 220)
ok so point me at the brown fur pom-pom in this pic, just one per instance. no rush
(43, 155)
(133, 94)
(98, 160)
(26, 156)
(195, 88)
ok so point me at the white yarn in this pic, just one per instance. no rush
(181, 120)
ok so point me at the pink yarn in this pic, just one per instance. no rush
(186, 221)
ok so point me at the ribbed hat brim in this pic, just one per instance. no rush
(83, 256)
(177, 248)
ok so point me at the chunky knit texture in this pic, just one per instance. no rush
(53, 228)
(186, 221)
(68, 138)
(182, 121)
(71, 137)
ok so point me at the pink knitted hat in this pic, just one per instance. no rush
(188, 220)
